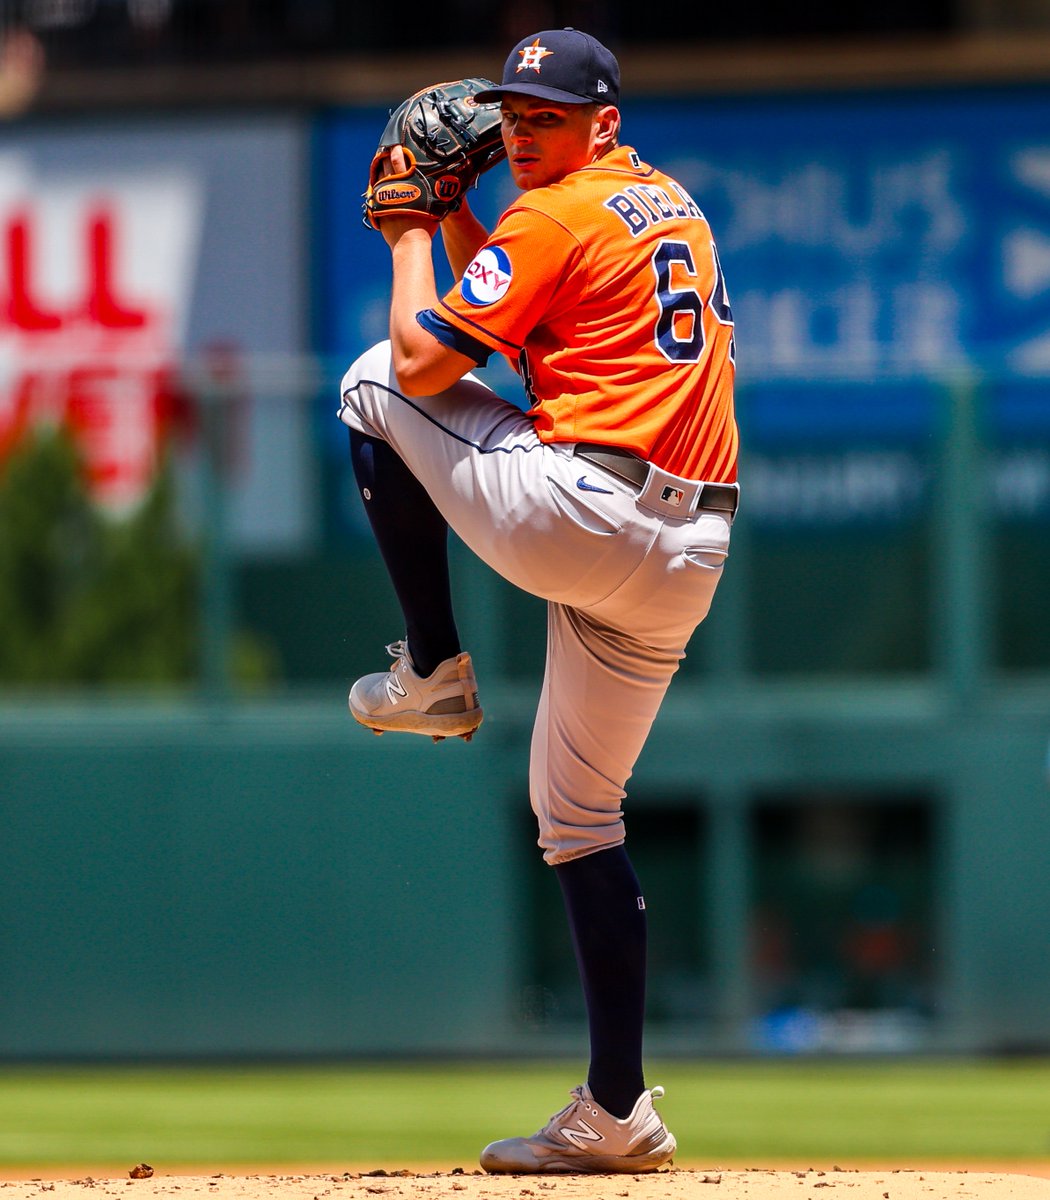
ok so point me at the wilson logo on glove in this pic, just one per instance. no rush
(396, 193)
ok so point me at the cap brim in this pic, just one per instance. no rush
(494, 95)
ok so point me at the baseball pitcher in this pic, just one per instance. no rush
(612, 497)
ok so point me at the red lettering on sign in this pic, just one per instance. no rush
(103, 307)
(82, 354)
(22, 310)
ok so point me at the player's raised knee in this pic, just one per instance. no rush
(374, 366)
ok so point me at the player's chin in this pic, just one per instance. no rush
(526, 174)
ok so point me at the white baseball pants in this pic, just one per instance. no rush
(627, 579)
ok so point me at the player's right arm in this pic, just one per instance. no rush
(462, 235)
(424, 365)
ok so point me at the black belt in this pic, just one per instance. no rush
(719, 497)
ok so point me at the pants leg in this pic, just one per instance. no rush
(608, 668)
(601, 692)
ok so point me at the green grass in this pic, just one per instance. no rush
(749, 1113)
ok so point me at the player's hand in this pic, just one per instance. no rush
(393, 227)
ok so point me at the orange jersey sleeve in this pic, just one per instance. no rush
(607, 290)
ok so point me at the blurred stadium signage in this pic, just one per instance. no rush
(95, 280)
(882, 249)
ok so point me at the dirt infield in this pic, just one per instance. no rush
(470, 1184)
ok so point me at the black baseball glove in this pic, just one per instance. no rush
(448, 138)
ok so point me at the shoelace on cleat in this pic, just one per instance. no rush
(397, 651)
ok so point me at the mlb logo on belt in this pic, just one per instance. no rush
(672, 495)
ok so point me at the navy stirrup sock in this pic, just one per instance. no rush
(412, 537)
(607, 919)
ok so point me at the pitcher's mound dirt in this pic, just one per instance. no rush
(470, 1184)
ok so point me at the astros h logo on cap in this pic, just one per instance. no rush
(532, 56)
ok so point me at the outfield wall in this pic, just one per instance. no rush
(268, 881)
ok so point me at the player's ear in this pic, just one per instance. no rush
(606, 127)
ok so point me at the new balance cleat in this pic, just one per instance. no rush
(585, 1139)
(444, 704)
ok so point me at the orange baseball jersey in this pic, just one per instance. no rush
(606, 291)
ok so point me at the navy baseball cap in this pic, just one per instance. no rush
(560, 64)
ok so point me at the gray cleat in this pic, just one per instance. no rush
(585, 1139)
(444, 704)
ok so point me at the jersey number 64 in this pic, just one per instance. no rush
(680, 335)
